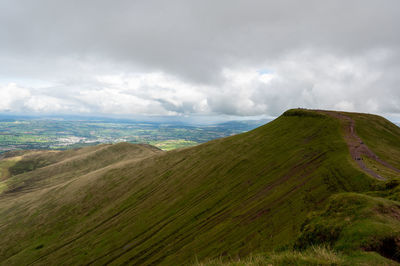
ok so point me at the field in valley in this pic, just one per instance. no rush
(58, 134)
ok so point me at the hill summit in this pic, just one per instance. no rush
(309, 178)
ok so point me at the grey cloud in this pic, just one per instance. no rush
(195, 39)
(70, 43)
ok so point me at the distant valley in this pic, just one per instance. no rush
(62, 133)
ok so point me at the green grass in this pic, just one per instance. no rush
(316, 255)
(167, 145)
(352, 229)
(5, 165)
(380, 135)
(379, 168)
(231, 197)
(353, 221)
(4, 168)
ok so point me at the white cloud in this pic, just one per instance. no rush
(12, 97)
(303, 79)
(344, 106)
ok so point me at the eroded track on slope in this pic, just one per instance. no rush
(358, 148)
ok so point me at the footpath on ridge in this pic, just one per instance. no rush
(357, 147)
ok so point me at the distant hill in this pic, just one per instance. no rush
(308, 183)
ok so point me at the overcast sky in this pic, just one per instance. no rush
(188, 58)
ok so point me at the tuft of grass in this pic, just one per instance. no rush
(315, 255)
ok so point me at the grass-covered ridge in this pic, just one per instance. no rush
(134, 204)
(380, 135)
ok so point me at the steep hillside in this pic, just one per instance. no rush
(134, 204)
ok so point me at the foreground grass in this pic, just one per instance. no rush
(311, 256)
(316, 255)
(353, 222)
(353, 229)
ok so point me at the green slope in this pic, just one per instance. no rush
(353, 221)
(134, 204)
(380, 135)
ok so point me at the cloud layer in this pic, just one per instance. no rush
(199, 57)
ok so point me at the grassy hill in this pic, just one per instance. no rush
(264, 190)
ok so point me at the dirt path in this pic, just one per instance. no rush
(357, 147)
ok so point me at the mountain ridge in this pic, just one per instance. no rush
(229, 197)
